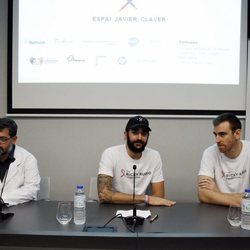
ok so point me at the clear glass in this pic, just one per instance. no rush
(64, 212)
(234, 215)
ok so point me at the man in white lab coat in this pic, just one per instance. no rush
(19, 175)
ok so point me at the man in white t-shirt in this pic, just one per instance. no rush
(225, 166)
(118, 163)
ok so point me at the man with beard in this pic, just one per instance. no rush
(19, 176)
(115, 176)
(225, 166)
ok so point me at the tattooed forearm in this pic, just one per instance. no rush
(104, 183)
(108, 194)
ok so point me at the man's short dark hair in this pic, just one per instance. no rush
(228, 117)
(9, 124)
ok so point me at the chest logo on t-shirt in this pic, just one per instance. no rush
(130, 174)
(232, 175)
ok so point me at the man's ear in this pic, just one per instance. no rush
(125, 135)
(14, 139)
(237, 133)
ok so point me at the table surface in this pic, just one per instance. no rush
(35, 224)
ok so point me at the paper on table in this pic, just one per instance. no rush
(142, 213)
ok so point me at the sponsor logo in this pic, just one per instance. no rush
(41, 60)
(36, 60)
(233, 175)
(72, 58)
(128, 3)
(122, 60)
(130, 174)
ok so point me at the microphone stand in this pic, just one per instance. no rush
(134, 219)
(4, 216)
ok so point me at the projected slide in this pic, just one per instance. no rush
(129, 41)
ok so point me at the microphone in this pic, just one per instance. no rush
(4, 216)
(134, 219)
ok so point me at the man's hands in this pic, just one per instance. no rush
(107, 194)
(157, 201)
(208, 192)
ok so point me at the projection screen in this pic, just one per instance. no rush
(127, 56)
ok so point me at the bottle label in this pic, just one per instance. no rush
(245, 205)
(79, 201)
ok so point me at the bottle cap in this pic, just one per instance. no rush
(247, 190)
(79, 186)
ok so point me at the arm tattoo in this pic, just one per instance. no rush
(104, 182)
(105, 191)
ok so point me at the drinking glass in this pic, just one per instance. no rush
(234, 215)
(64, 212)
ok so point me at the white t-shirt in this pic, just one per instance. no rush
(230, 175)
(116, 162)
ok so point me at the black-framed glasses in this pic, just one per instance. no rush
(4, 139)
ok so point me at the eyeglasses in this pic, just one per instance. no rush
(4, 139)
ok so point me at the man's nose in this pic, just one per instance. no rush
(217, 138)
(139, 136)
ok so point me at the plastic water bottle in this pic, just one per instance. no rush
(79, 206)
(245, 210)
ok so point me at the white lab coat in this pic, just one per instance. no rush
(23, 179)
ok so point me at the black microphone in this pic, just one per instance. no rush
(4, 216)
(134, 219)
